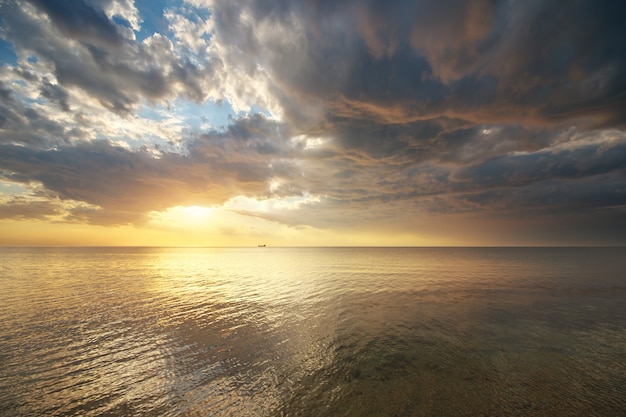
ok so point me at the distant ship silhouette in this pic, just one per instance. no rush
(262, 246)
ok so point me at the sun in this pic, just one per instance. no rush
(194, 215)
(186, 217)
(197, 212)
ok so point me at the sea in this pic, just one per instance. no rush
(115, 331)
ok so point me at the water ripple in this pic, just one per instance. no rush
(291, 332)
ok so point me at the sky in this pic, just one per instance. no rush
(312, 122)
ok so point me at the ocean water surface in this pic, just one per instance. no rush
(313, 331)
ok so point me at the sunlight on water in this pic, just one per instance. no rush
(325, 332)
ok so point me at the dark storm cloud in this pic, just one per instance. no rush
(405, 143)
(516, 170)
(399, 61)
(26, 125)
(79, 20)
(8, 114)
(559, 196)
(55, 93)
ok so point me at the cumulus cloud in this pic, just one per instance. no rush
(79, 46)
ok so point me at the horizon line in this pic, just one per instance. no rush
(313, 246)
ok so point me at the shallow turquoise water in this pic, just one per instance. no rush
(313, 331)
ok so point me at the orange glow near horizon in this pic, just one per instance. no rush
(197, 232)
(246, 222)
(214, 227)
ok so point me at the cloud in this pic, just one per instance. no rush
(401, 61)
(55, 93)
(127, 183)
(562, 162)
(393, 62)
(26, 209)
(344, 113)
(81, 21)
(78, 46)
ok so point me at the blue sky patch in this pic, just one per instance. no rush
(152, 15)
(7, 54)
